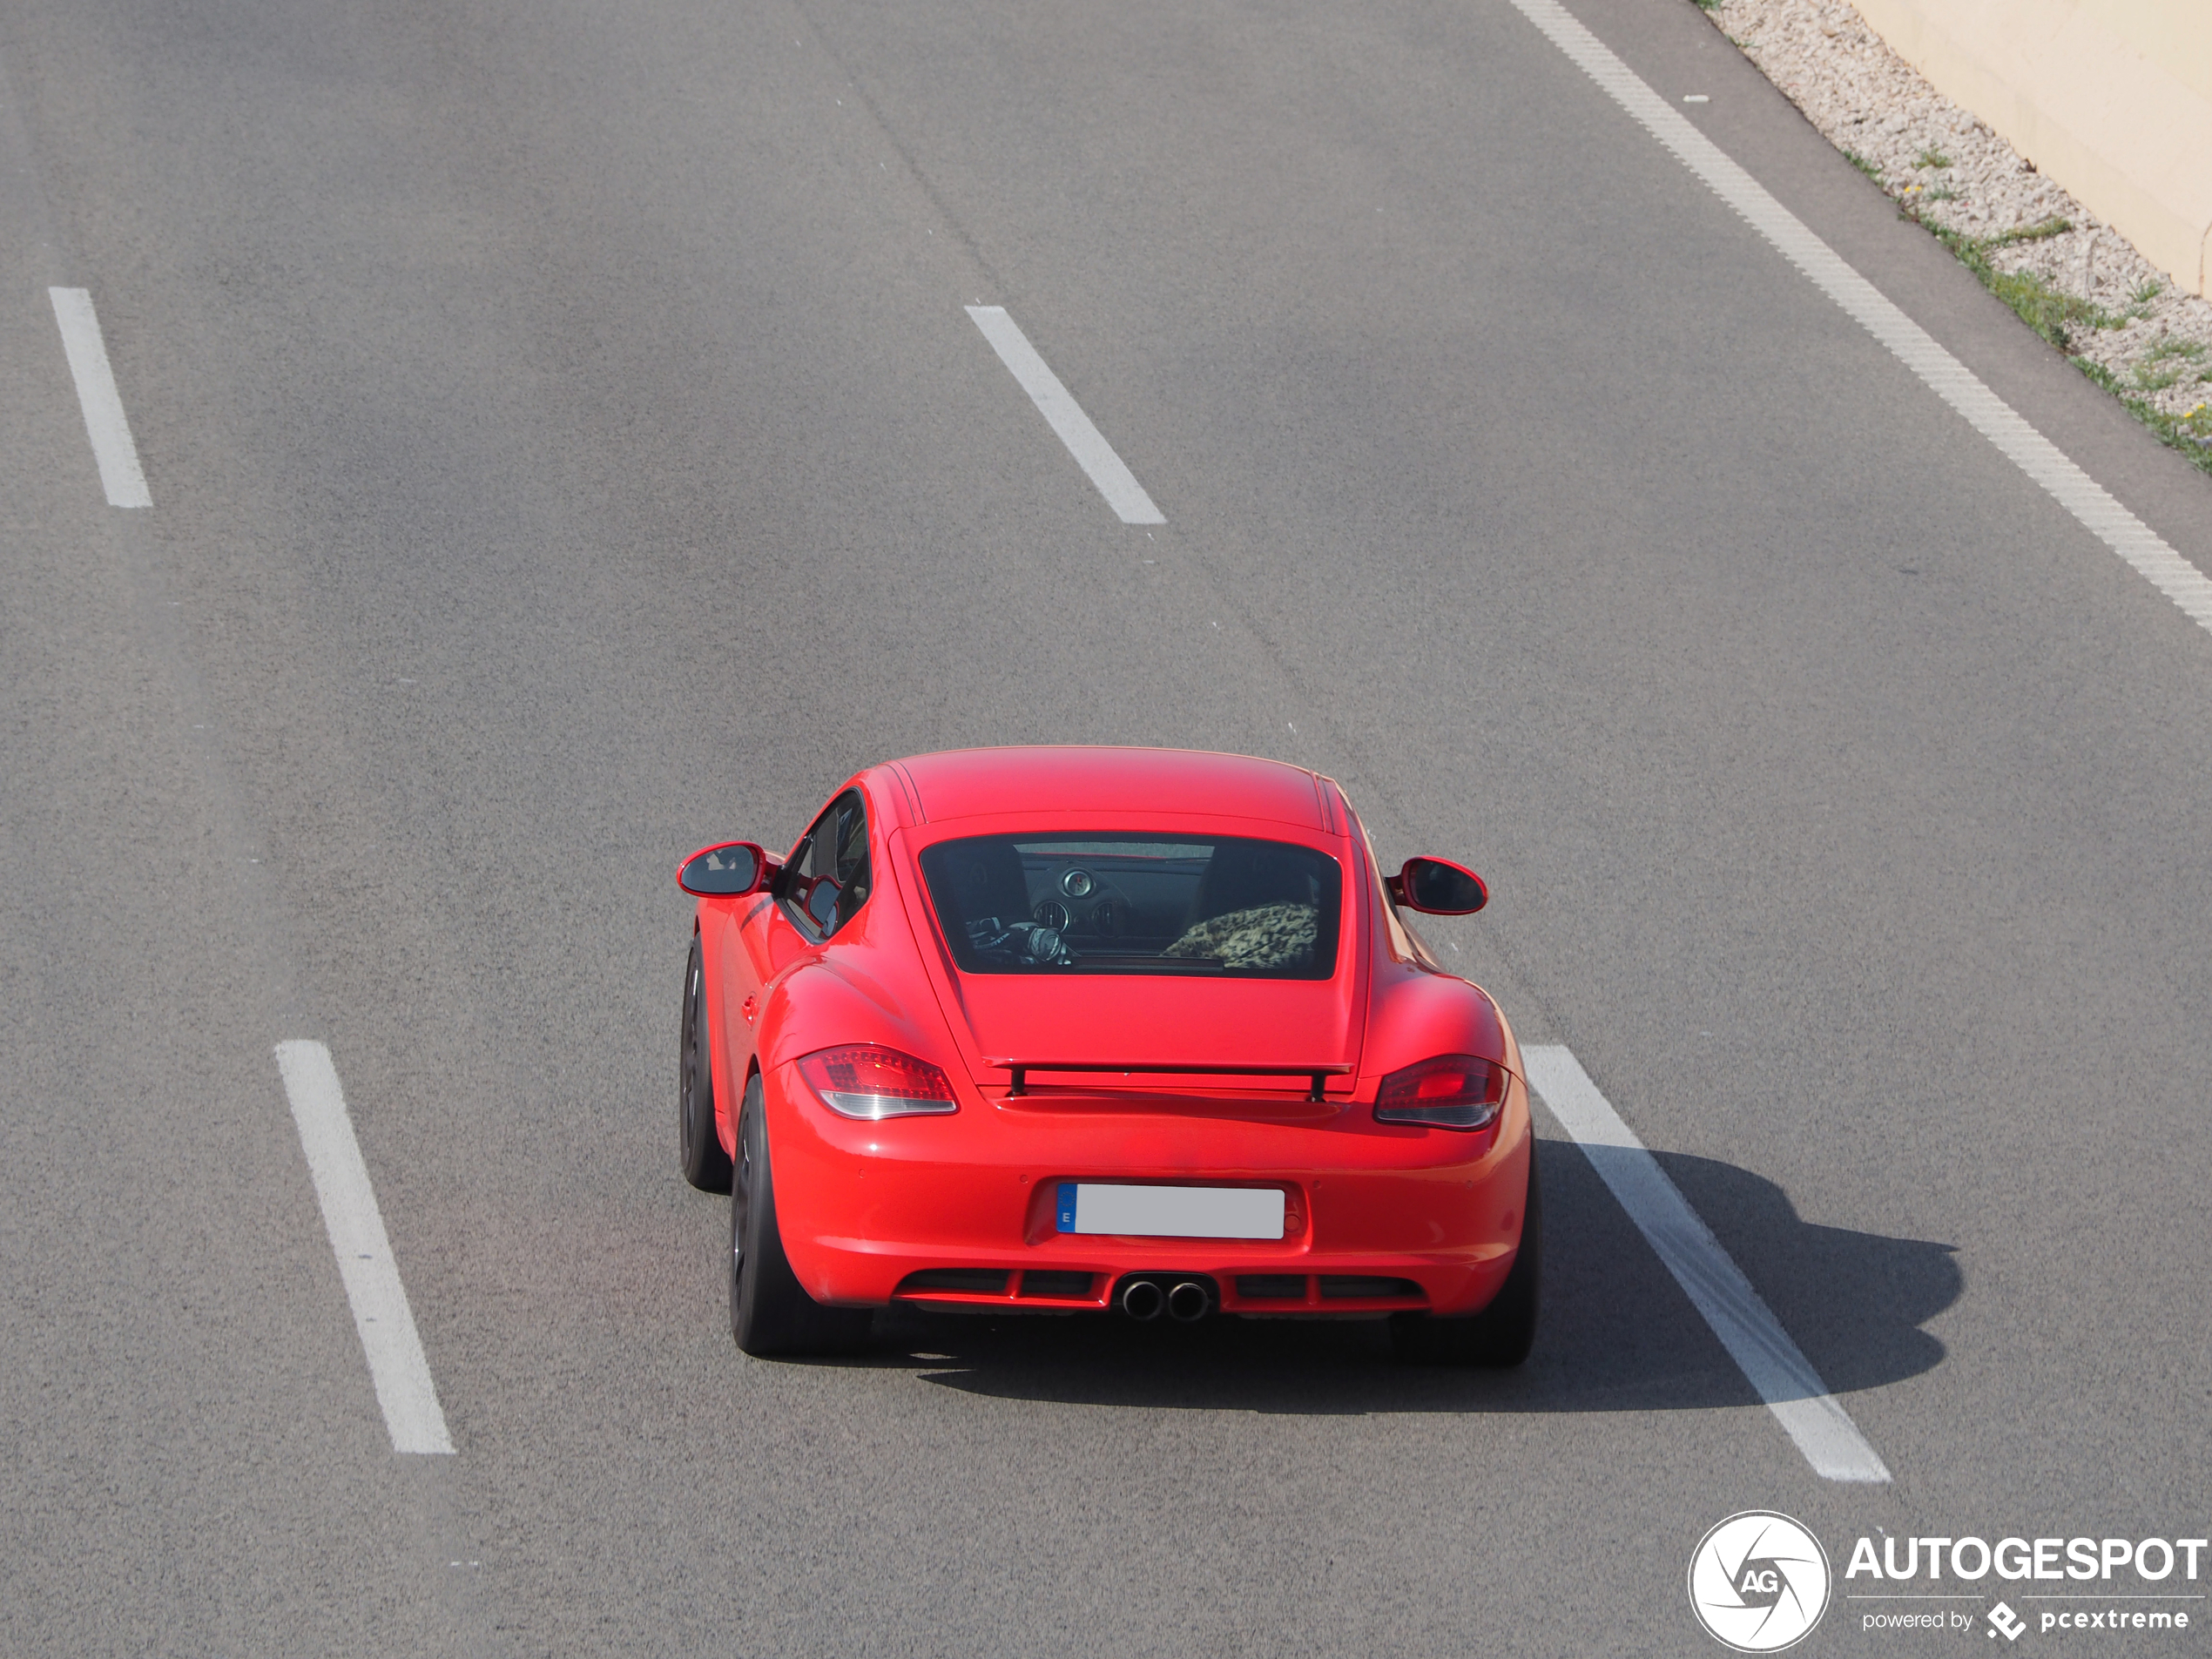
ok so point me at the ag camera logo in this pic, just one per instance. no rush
(1759, 1582)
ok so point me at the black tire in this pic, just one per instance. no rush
(1503, 1332)
(706, 1165)
(769, 1311)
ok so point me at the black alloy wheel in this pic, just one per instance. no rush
(771, 1314)
(706, 1166)
(1503, 1332)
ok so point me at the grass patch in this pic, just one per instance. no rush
(2146, 292)
(2042, 231)
(1931, 157)
(2170, 362)
(1863, 165)
(2189, 432)
(2061, 318)
(2058, 317)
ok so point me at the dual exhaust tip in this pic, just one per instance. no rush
(1186, 1301)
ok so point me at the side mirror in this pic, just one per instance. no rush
(724, 871)
(1438, 887)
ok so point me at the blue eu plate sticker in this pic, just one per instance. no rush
(1067, 1206)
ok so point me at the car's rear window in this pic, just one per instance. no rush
(1136, 904)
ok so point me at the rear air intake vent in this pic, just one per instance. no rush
(1062, 1286)
(1345, 1287)
(968, 1281)
(1272, 1287)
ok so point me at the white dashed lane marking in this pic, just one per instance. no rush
(1092, 452)
(104, 424)
(396, 1364)
(1716, 1286)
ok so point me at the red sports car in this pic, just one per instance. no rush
(1060, 1029)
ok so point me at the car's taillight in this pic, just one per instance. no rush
(872, 1082)
(1452, 1091)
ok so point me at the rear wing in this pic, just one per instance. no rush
(1318, 1075)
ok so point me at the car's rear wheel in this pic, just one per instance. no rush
(770, 1310)
(706, 1166)
(1503, 1332)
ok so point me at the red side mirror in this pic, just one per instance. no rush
(727, 871)
(1438, 887)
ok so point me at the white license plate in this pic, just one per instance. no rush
(1171, 1212)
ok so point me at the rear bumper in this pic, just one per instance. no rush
(863, 1208)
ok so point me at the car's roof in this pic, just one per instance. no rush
(969, 783)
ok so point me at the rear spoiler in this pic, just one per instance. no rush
(1320, 1075)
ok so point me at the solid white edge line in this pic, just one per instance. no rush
(1989, 414)
(117, 457)
(396, 1364)
(1716, 1286)
(1089, 446)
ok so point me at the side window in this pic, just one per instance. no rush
(827, 879)
(851, 870)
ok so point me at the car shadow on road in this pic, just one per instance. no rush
(1617, 1334)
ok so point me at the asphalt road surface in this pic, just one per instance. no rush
(567, 445)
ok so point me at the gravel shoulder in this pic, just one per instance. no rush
(2071, 277)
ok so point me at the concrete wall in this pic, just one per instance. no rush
(2112, 98)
